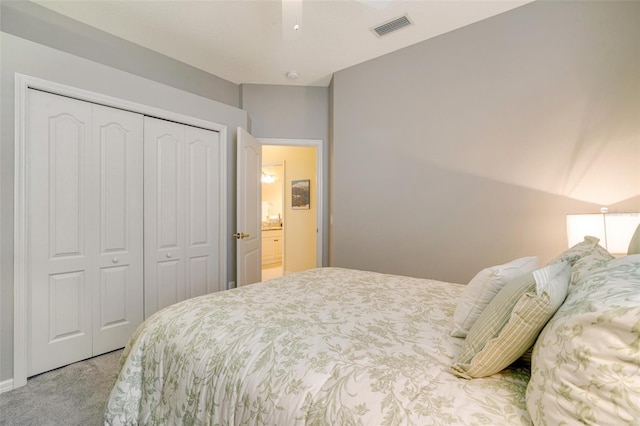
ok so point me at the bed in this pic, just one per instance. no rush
(332, 346)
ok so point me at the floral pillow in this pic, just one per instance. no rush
(585, 257)
(586, 362)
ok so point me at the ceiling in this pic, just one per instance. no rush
(254, 41)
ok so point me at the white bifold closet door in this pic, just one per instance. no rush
(181, 213)
(85, 229)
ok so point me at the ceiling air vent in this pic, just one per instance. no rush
(392, 26)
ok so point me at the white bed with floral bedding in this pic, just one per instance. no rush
(327, 346)
(335, 346)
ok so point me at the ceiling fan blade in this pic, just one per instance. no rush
(376, 4)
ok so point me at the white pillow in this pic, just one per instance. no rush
(482, 289)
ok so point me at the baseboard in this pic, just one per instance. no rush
(6, 386)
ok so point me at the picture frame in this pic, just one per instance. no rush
(300, 194)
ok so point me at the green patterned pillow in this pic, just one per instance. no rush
(584, 257)
(577, 251)
(586, 362)
(509, 326)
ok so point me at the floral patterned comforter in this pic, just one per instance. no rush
(328, 346)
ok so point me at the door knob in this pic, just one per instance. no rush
(168, 255)
(241, 235)
(115, 260)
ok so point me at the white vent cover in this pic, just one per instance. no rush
(392, 26)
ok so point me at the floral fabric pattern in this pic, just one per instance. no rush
(584, 257)
(586, 361)
(328, 346)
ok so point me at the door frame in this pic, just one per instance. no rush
(23, 83)
(319, 145)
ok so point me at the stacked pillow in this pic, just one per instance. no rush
(510, 324)
(483, 288)
(504, 308)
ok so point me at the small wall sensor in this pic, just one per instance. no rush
(292, 75)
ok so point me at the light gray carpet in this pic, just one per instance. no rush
(71, 395)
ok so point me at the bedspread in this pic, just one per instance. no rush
(327, 346)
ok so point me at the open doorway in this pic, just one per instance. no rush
(272, 180)
(289, 227)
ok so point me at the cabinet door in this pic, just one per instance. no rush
(271, 247)
(278, 248)
(268, 249)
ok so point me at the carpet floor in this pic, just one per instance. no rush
(71, 395)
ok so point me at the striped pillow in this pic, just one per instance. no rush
(482, 289)
(509, 326)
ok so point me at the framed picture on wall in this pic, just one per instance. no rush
(300, 196)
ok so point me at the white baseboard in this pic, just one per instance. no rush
(6, 386)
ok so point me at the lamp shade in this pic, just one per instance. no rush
(581, 225)
(613, 229)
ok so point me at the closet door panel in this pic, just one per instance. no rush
(169, 181)
(203, 194)
(66, 307)
(169, 276)
(165, 206)
(118, 311)
(62, 243)
(199, 197)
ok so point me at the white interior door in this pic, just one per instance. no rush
(118, 297)
(181, 212)
(203, 193)
(164, 218)
(80, 167)
(62, 245)
(249, 207)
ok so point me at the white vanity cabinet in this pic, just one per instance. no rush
(271, 246)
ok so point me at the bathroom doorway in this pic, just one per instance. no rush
(272, 180)
(289, 230)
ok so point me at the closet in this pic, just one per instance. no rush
(121, 214)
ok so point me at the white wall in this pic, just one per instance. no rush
(469, 149)
(26, 57)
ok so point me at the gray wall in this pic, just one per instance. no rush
(468, 150)
(292, 112)
(26, 57)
